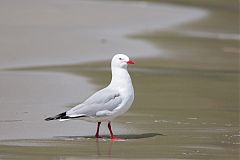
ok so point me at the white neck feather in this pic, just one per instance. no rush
(120, 78)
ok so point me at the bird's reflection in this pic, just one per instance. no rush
(109, 150)
(101, 143)
(104, 146)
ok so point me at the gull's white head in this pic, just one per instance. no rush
(121, 61)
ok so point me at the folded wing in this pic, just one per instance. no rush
(100, 103)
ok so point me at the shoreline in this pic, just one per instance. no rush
(179, 107)
(67, 44)
(118, 37)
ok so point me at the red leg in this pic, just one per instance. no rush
(97, 132)
(113, 138)
(110, 129)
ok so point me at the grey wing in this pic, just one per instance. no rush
(103, 100)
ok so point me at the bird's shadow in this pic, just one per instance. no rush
(101, 149)
(125, 136)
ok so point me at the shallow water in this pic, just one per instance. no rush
(181, 113)
(186, 106)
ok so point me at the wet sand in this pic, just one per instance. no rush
(73, 39)
(189, 110)
(65, 32)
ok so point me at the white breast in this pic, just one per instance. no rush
(128, 96)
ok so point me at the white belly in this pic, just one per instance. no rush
(124, 107)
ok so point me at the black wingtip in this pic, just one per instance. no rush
(49, 119)
(59, 116)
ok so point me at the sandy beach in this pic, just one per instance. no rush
(54, 54)
(60, 32)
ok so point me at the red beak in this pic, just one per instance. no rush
(130, 62)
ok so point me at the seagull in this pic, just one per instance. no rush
(107, 103)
